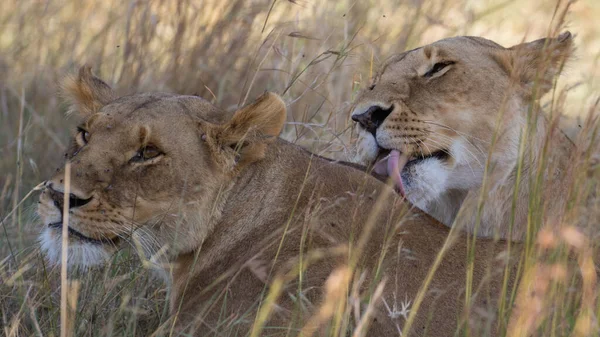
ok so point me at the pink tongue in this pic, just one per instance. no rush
(395, 163)
(381, 167)
(392, 166)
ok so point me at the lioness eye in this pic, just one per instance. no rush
(83, 135)
(437, 68)
(146, 153)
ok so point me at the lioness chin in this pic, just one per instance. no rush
(439, 118)
(237, 211)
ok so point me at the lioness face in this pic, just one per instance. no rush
(136, 165)
(428, 117)
(148, 169)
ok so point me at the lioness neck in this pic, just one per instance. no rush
(313, 189)
(544, 171)
(295, 178)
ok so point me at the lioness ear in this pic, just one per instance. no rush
(86, 93)
(536, 64)
(244, 138)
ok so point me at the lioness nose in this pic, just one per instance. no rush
(58, 197)
(373, 118)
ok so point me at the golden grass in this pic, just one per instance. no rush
(317, 55)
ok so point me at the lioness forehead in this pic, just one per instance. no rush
(158, 106)
(461, 47)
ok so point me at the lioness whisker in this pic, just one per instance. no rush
(462, 134)
(450, 141)
(441, 143)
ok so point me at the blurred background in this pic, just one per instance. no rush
(317, 54)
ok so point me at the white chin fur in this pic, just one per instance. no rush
(366, 148)
(430, 183)
(81, 254)
(427, 181)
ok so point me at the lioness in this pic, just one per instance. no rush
(435, 117)
(232, 207)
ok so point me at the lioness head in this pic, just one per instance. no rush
(148, 169)
(429, 115)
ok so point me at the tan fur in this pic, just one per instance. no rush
(235, 207)
(456, 112)
(86, 93)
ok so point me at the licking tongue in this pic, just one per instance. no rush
(392, 166)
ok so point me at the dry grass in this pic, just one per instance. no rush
(317, 55)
